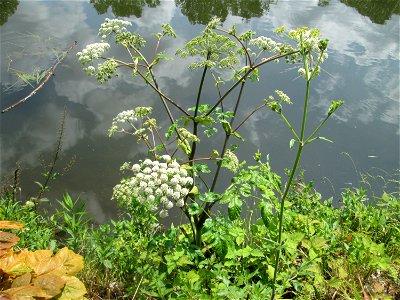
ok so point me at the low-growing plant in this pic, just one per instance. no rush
(38, 274)
(38, 233)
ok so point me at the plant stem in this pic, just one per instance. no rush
(55, 157)
(272, 58)
(288, 185)
(252, 113)
(316, 129)
(196, 110)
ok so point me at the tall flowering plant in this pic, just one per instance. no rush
(173, 173)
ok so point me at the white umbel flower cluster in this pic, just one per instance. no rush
(284, 98)
(128, 116)
(314, 47)
(266, 44)
(91, 52)
(113, 26)
(160, 184)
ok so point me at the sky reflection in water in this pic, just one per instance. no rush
(363, 70)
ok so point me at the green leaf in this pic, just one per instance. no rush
(325, 139)
(171, 129)
(194, 209)
(254, 75)
(209, 197)
(245, 252)
(234, 209)
(192, 277)
(184, 145)
(237, 135)
(204, 120)
(334, 106)
(194, 191)
(292, 242)
(227, 127)
(214, 154)
(318, 242)
(265, 212)
(201, 168)
(257, 253)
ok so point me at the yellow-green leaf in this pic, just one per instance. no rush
(70, 262)
(51, 284)
(14, 263)
(74, 289)
(11, 225)
(7, 240)
(24, 279)
(26, 292)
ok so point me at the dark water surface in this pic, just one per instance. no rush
(362, 69)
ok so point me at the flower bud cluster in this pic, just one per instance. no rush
(91, 52)
(266, 44)
(113, 26)
(160, 185)
(311, 45)
(284, 98)
(308, 39)
(129, 116)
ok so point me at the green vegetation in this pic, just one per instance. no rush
(273, 237)
(328, 252)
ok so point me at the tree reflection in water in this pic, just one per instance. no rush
(202, 11)
(378, 11)
(8, 8)
(123, 8)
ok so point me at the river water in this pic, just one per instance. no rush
(362, 69)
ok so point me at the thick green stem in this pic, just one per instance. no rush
(281, 210)
(196, 110)
(287, 188)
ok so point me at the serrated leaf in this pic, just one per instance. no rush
(244, 252)
(209, 197)
(194, 209)
(204, 120)
(202, 168)
(257, 253)
(292, 242)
